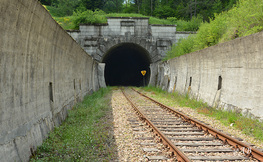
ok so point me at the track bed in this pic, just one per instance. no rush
(182, 138)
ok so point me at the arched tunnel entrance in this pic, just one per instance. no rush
(124, 64)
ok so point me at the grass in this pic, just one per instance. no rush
(99, 17)
(65, 22)
(248, 126)
(84, 136)
(180, 100)
(152, 20)
(124, 15)
(244, 19)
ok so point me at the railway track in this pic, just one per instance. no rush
(184, 138)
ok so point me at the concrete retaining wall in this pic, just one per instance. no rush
(228, 75)
(43, 73)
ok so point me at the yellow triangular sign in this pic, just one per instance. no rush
(143, 72)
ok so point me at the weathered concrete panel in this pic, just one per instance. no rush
(43, 73)
(239, 66)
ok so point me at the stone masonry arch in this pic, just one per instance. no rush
(99, 40)
(145, 52)
(96, 40)
(124, 63)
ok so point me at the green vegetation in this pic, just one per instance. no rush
(84, 136)
(249, 126)
(186, 14)
(100, 17)
(182, 47)
(244, 19)
(62, 8)
(216, 21)
(155, 20)
(180, 100)
(89, 17)
(65, 22)
(183, 25)
(181, 9)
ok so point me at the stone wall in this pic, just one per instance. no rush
(98, 40)
(228, 75)
(43, 73)
(183, 34)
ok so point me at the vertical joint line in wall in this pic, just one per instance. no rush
(190, 83)
(51, 92)
(175, 82)
(100, 31)
(74, 85)
(75, 95)
(80, 93)
(219, 83)
(218, 93)
(17, 151)
(168, 84)
(80, 84)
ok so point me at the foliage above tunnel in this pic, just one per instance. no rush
(187, 14)
(100, 17)
(244, 19)
(181, 9)
(215, 20)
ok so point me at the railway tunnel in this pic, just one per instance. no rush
(124, 63)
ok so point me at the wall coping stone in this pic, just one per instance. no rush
(104, 24)
(72, 30)
(163, 25)
(186, 32)
(127, 17)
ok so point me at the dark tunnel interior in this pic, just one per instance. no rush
(124, 64)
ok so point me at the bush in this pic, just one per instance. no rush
(65, 22)
(182, 47)
(89, 17)
(154, 20)
(182, 25)
(243, 19)
(63, 8)
(164, 11)
(210, 33)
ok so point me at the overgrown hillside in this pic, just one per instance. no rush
(100, 17)
(181, 9)
(215, 20)
(245, 18)
(186, 14)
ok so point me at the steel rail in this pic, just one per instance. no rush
(180, 156)
(248, 150)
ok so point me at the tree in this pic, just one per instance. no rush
(138, 3)
(66, 7)
(93, 4)
(113, 6)
(129, 7)
(48, 2)
(164, 11)
(180, 9)
(148, 7)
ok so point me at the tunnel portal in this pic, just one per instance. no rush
(124, 64)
